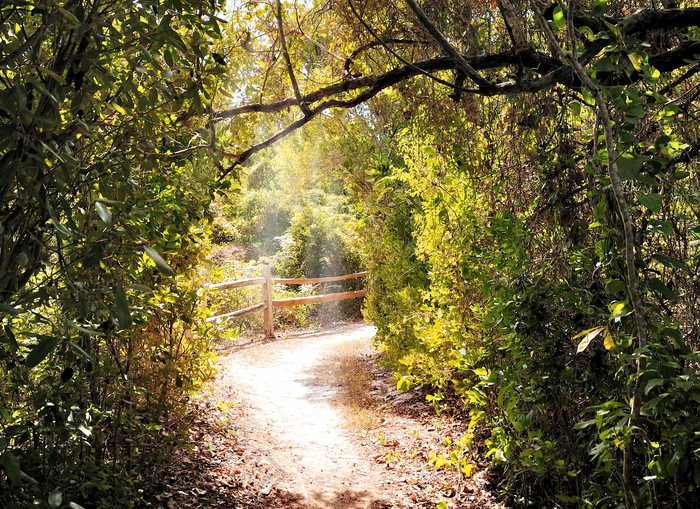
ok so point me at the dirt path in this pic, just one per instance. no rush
(310, 421)
(307, 441)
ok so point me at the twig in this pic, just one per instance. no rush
(285, 54)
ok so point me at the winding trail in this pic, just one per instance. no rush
(310, 421)
(313, 452)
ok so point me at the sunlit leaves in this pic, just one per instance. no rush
(619, 310)
(104, 213)
(95, 100)
(403, 385)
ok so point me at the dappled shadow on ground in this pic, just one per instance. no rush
(234, 461)
(403, 432)
(323, 500)
(250, 340)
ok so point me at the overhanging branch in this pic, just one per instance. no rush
(537, 71)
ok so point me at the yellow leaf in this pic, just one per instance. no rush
(608, 342)
(636, 60)
(589, 335)
(119, 109)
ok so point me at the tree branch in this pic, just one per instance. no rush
(462, 64)
(288, 61)
(194, 148)
(629, 482)
(371, 44)
(513, 25)
(543, 72)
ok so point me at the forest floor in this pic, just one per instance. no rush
(310, 420)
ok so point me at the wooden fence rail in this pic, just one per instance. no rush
(268, 303)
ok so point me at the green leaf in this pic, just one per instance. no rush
(55, 498)
(667, 262)
(584, 424)
(22, 259)
(660, 227)
(140, 288)
(615, 31)
(41, 350)
(677, 339)
(601, 447)
(73, 505)
(54, 219)
(93, 331)
(168, 57)
(558, 18)
(605, 65)
(654, 382)
(634, 110)
(618, 310)
(576, 108)
(162, 265)
(41, 88)
(637, 60)
(653, 201)
(6, 308)
(11, 465)
(614, 286)
(79, 350)
(123, 314)
(659, 286)
(403, 385)
(628, 167)
(587, 32)
(104, 213)
(599, 7)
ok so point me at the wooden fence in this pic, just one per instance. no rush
(268, 303)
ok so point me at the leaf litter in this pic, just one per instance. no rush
(311, 420)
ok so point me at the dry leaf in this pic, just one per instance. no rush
(588, 336)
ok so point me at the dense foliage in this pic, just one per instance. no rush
(527, 178)
(100, 339)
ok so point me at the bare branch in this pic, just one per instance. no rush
(287, 60)
(541, 72)
(513, 25)
(371, 44)
(462, 64)
(396, 55)
(195, 148)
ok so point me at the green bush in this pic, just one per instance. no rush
(515, 312)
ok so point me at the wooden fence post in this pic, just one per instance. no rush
(267, 299)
